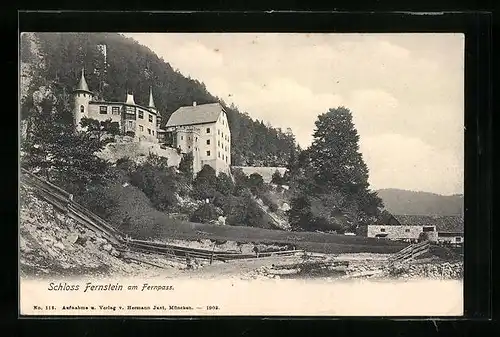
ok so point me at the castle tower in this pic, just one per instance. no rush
(130, 99)
(81, 98)
(151, 103)
(152, 107)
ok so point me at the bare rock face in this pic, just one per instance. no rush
(72, 238)
(107, 247)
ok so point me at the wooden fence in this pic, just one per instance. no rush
(412, 251)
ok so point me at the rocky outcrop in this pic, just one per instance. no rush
(53, 244)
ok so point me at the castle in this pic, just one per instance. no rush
(202, 130)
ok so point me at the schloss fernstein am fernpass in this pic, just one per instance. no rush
(270, 159)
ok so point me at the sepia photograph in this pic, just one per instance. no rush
(229, 174)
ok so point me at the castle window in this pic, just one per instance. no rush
(218, 153)
(141, 114)
(189, 147)
(196, 138)
(208, 141)
(130, 124)
(226, 159)
(218, 143)
(182, 137)
(208, 153)
(153, 132)
(103, 109)
(149, 131)
(407, 230)
(189, 138)
(78, 94)
(150, 118)
(82, 109)
(208, 130)
(115, 110)
(382, 229)
(223, 156)
(218, 132)
(141, 128)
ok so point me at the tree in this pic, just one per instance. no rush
(338, 166)
(256, 183)
(159, 162)
(329, 180)
(62, 155)
(241, 181)
(277, 178)
(224, 184)
(204, 214)
(102, 130)
(158, 185)
(299, 215)
(204, 185)
(186, 165)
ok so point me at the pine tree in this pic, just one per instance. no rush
(338, 166)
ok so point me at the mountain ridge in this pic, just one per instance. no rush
(408, 202)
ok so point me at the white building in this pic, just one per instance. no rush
(204, 131)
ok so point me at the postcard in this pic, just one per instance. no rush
(241, 174)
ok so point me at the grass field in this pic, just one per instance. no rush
(309, 241)
(150, 223)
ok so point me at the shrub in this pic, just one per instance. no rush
(186, 165)
(245, 212)
(204, 185)
(240, 181)
(269, 202)
(224, 184)
(159, 187)
(277, 178)
(256, 183)
(98, 200)
(204, 214)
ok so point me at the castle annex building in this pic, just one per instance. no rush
(202, 129)
(140, 121)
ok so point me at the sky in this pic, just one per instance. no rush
(405, 91)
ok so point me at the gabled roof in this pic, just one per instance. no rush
(443, 223)
(199, 114)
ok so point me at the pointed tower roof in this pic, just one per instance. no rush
(83, 83)
(130, 99)
(151, 101)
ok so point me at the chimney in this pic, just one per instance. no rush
(194, 103)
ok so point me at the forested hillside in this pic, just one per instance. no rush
(56, 61)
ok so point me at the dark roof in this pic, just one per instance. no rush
(443, 223)
(82, 85)
(199, 114)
